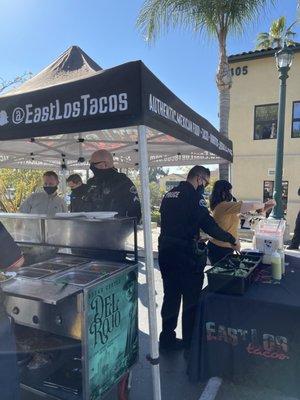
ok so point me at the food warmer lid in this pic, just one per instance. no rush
(44, 291)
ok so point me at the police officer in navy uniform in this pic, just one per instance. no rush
(182, 257)
(110, 190)
(10, 259)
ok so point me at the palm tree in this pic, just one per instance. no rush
(277, 35)
(217, 18)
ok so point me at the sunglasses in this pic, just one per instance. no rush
(204, 179)
(98, 162)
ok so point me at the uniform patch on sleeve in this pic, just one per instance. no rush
(202, 203)
(133, 190)
(172, 195)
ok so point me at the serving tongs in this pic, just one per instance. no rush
(63, 285)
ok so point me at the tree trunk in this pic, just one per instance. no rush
(223, 80)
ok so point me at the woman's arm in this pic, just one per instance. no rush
(255, 206)
(268, 205)
(251, 206)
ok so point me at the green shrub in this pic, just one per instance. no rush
(155, 217)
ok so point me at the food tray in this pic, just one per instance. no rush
(32, 273)
(101, 268)
(49, 266)
(69, 260)
(78, 278)
(228, 277)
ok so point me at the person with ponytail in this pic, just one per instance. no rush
(226, 211)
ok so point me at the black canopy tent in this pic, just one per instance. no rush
(73, 107)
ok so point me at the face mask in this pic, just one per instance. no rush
(50, 189)
(200, 190)
(227, 197)
(93, 168)
(74, 188)
(101, 172)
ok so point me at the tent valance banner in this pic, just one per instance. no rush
(128, 95)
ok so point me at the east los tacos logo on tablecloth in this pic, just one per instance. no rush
(263, 345)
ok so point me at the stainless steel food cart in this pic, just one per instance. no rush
(75, 312)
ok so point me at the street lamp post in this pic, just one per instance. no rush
(284, 59)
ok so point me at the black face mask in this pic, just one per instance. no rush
(200, 190)
(228, 197)
(101, 172)
(50, 189)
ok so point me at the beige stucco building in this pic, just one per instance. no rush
(253, 124)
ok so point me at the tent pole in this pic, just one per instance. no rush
(63, 182)
(144, 177)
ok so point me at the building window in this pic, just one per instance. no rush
(296, 120)
(265, 121)
(268, 190)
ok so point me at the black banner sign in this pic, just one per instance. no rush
(126, 95)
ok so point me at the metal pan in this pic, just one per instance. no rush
(32, 273)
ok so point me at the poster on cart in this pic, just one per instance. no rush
(112, 331)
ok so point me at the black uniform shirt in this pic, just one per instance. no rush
(113, 191)
(10, 253)
(77, 198)
(182, 216)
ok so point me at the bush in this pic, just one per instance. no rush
(155, 217)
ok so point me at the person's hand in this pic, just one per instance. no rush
(16, 265)
(236, 246)
(269, 204)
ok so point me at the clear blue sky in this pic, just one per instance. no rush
(34, 32)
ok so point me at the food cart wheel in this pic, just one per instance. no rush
(124, 387)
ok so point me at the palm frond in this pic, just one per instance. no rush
(213, 16)
(263, 41)
(263, 36)
(158, 16)
(290, 33)
(265, 44)
(244, 11)
(277, 36)
(277, 28)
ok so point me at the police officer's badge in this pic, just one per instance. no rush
(133, 190)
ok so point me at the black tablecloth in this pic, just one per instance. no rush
(254, 338)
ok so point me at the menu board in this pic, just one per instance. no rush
(111, 326)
